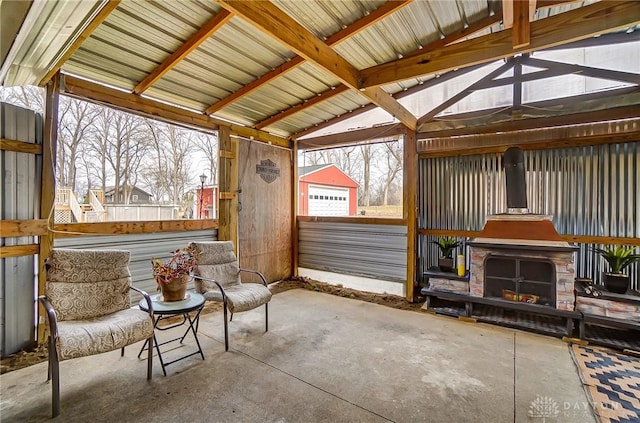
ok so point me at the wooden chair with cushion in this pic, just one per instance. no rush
(217, 277)
(88, 309)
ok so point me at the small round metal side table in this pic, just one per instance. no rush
(165, 309)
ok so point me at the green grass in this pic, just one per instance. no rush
(381, 211)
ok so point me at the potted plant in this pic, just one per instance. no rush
(447, 245)
(618, 257)
(172, 277)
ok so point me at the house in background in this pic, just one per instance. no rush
(138, 196)
(325, 190)
(206, 202)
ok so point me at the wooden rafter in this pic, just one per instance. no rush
(272, 20)
(350, 137)
(333, 91)
(101, 94)
(563, 28)
(215, 23)
(457, 35)
(97, 20)
(361, 24)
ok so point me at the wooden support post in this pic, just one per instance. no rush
(48, 187)
(228, 186)
(521, 24)
(410, 206)
(294, 209)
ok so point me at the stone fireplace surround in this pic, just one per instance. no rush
(524, 236)
(563, 262)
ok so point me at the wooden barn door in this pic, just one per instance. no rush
(264, 217)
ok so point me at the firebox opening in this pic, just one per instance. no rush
(521, 279)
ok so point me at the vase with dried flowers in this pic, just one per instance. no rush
(172, 276)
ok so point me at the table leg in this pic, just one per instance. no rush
(155, 341)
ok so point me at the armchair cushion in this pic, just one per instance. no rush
(77, 301)
(217, 261)
(82, 284)
(102, 334)
(241, 297)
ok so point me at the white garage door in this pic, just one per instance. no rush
(325, 201)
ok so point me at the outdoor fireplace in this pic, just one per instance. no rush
(520, 256)
(520, 279)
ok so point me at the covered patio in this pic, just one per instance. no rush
(453, 84)
(324, 359)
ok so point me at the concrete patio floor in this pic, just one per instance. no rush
(324, 359)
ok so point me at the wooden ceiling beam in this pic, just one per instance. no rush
(272, 20)
(129, 102)
(215, 23)
(392, 130)
(360, 25)
(86, 33)
(333, 91)
(563, 28)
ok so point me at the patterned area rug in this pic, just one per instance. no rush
(612, 381)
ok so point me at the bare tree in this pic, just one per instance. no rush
(126, 145)
(367, 154)
(166, 176)
(27, 97)
(208, 145)
(75, 126)
(312, 158)
(98, 146)
(393, 161)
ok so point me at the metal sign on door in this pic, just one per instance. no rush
(268, 170)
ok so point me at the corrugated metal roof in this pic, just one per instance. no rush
(139, 35)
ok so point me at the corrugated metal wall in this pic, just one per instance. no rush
(143, 247)
(19, 194)
(591, 191)
(374, 251)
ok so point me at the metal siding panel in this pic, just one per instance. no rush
(143, 248)
(591, 191)
(375, 251)
(17, 329)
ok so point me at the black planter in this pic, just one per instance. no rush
(616, 282)
(445, 264)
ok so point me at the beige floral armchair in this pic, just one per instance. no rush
(217, 277)
(88, 309)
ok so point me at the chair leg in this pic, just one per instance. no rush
(122, 352)
(266, 317)
(150, 358)
(226, 329)
(49, 360)
(54, 364)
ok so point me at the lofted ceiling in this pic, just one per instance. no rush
(288, 67)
